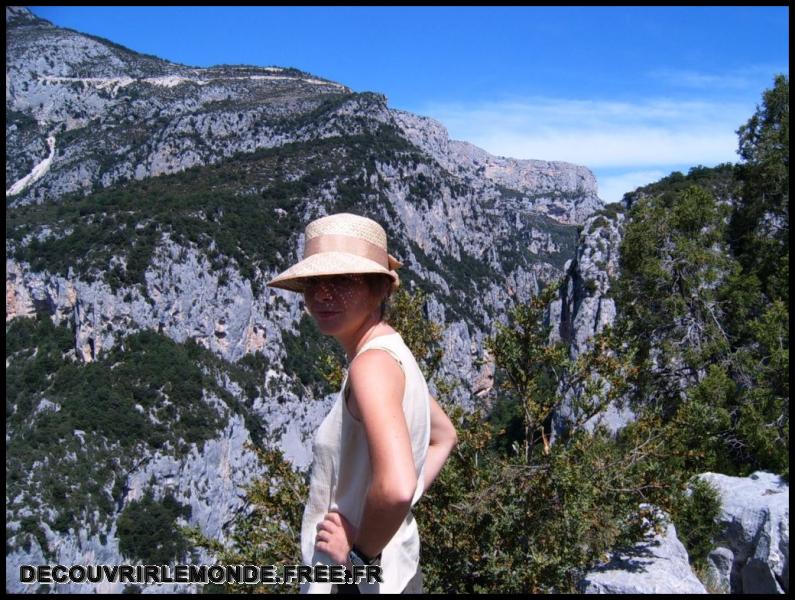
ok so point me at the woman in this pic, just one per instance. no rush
(385, 439)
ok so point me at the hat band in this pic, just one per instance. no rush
(346, 243)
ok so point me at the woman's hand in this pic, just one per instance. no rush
(335, 537)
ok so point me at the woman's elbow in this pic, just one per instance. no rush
(396, 494)
(453, 438)
(450, 438)
(406, 493)
(403, 500)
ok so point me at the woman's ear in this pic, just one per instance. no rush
(388, 288)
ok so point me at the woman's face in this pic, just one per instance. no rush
(339, 303)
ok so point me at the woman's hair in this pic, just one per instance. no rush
(381, 284)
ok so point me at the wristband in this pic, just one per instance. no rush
(357, 557)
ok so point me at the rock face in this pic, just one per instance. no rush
(185, 301)
(209, 480)
(753, 555)
(116, 115)
(585, 308)
(561, 190)
(658, 565)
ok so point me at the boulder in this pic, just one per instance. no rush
(752, 556)
(656, 565)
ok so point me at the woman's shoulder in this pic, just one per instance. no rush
(378, 358)
(380, 355)
(377, 354)
(373, 376)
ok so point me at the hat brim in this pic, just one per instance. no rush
(324, 263)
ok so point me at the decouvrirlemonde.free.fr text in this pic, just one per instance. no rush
(187, 574)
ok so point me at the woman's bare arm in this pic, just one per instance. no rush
(377, 386)
(443, 440)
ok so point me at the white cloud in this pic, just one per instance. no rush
(600, 134)
(617, 147)
(751, 78)
(613, 187)
(625, 144)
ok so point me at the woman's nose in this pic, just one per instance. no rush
(322, 290)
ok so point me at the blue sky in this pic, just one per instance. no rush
(632, 93)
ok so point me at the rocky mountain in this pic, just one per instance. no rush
(137, 117)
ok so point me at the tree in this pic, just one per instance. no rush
(269, 533)
(148, 532)
(706, 305)
(759, 235)
(760, 227)
(532, 371)
(672, 260)
(539, 515)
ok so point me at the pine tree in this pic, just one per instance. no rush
(760, 226)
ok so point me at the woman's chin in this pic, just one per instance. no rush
(328, 325)
(326, 330)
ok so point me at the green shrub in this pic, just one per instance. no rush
(696, 520)
(99, 399)
(148, 532)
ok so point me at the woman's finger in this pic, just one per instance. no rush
(324, 526)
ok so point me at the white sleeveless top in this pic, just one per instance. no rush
(341, 475)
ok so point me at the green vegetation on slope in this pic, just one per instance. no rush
(76, 430)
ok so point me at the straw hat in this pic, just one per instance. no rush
(340, 244)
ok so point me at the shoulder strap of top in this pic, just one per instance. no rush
(382, 341)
